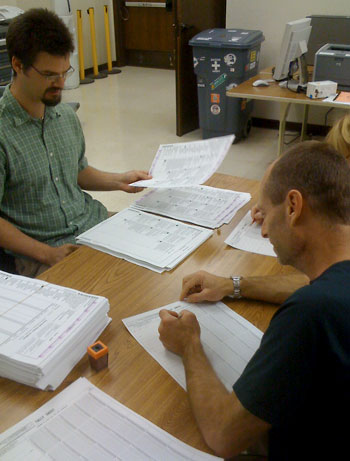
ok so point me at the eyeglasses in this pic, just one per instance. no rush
(52, 77)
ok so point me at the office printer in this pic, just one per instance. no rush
(332, 62)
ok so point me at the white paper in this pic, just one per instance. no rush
(203, 205)
(152, 241)
(187, 163)
(247, 236)
(229, 340)
(83, 423)
(44, 329)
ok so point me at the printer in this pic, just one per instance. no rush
(332, 62)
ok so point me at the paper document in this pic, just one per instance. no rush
(203, 205)
(340, 98)
(45, 329)
(83, 423)
(247, 236)
(141, 238)
(187, 163)
(229, 340)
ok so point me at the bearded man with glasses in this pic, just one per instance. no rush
(43, 168)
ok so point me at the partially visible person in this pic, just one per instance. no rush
(43, 168)
(338, 137)
(295, 389)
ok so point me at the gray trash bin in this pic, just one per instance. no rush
(222, 59)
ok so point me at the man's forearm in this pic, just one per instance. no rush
(95, 180)
(16, 241)
(227, 427)
(272, 288)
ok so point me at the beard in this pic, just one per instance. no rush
(50, 98)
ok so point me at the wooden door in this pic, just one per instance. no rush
(145, 33)
(191, 17)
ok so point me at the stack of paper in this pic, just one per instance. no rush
(247, 236)
(228, 339)
(83, 423)
(187, 163)
(150, 241)
(202, 205)
(45, 329)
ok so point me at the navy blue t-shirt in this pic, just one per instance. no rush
(299, 378)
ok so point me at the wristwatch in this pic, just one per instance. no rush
(236, 279)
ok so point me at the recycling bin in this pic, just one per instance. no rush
(222, 59)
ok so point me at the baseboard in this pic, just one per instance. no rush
(316, 130)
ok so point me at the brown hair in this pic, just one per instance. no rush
(339, 136)
(319, 173)
(35, 31)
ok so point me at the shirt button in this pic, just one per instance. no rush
(51, 154)
(63, 201)
(71, 223)
(56, 179)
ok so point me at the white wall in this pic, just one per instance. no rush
(82, 5)
(270, 16)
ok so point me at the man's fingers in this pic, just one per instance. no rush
(189, 286)
(197, 297)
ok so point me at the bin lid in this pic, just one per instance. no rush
(227, 38)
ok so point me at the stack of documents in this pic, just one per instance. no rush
(150, 241)
(45, 329)
(84, 423)
(202, 205)
(247, 236)
(228, 339)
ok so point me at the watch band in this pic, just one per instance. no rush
(236, 279)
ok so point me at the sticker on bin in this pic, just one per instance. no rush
(218, 81)
(195, 62)
(230, 59)
(253, 56)
(215, 109)
(215, 64)
(230, 86)
(215, 98)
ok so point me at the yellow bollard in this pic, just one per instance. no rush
(96, 73)
(111, 70)
(81, 51)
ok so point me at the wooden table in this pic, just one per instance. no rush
(283, 96)
(133, 376)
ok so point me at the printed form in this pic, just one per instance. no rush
(150, 241)
(83, 423)
(187, 163)
(38, 323)
(203, 205)
(247, 236)
(228, 339)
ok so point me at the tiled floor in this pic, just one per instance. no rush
(127, 116)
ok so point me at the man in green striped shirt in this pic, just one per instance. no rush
(43, 168)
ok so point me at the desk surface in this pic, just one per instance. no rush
(274, 92)
(133, 376)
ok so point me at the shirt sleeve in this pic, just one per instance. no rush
(82, 161)
(3, 162)
(280, 375)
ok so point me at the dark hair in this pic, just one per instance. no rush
(319, 173)
(37, 30)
